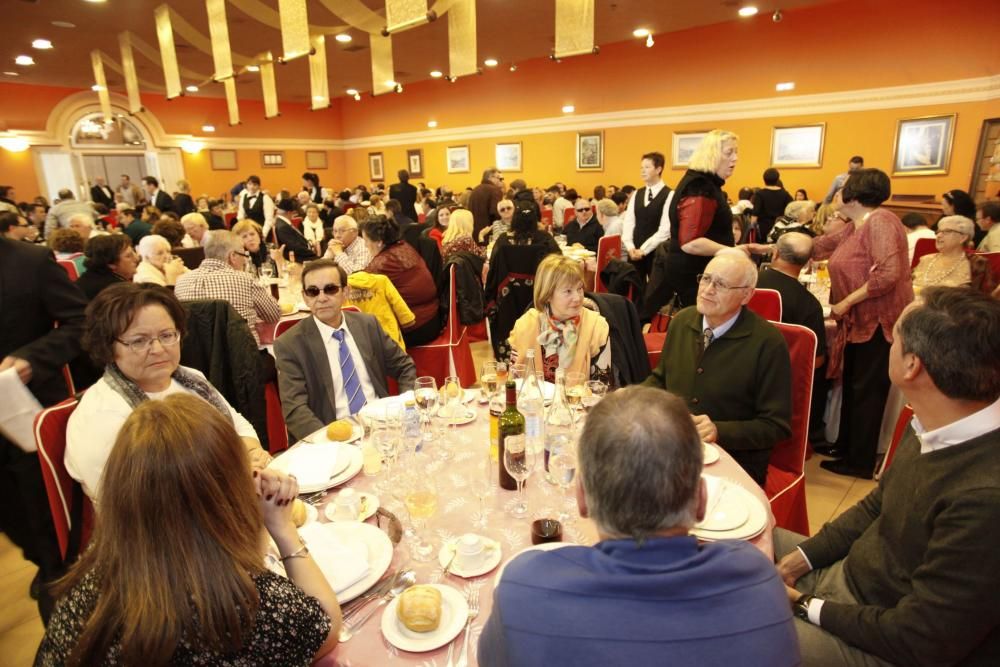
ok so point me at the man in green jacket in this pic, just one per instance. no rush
(731, 366)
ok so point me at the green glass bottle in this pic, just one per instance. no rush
(511, 424)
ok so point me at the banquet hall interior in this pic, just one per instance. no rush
(205, 93)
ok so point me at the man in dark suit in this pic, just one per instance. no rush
(35, 294)
(331, 364)
(405, 194)
(290, 237)
(100, 193)
(156, 196)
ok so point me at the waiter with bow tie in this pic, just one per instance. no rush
(255, 205)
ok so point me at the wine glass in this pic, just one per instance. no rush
(421, 504)
(594, 391)
(575, 389)
(426, 396)
(562, 468)
(483, 483)
(267, 272)
(488, 381)
(387, 443)
(519, 460)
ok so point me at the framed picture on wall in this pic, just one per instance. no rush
(223, 160)
(458, 159)
(797, 145)
(508, 156)
(376, 169)
(415, 162)
(316, 160)
(682, 147)
(923, 145)
(272, 159)
(590, 151)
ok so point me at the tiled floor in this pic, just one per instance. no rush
(21, 629)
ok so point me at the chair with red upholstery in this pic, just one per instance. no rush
(923, 247)
(766, 303)
(72, 511)
(608, 248)
(994, 259)
(70, 268)
(569, 215)
(449, 353)
(786, 479)
(655, 338)
(905, 415)
(547, 218)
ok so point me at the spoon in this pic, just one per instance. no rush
(403, 581)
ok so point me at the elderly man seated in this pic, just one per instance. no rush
(731, 366)
(909, 575)
(347, 249)
(647, 593)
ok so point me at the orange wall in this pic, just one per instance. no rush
(18, 169)
(203, 179)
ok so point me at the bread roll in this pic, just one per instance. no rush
(340, 430)
(419, 608)
(298, 512)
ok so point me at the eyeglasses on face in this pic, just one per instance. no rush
(706, 279)
(503, 209)
(244, 254)
(313, 290)
(949, 231)
(583, 210)
(144, 344)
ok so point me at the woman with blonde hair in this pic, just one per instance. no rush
(175, 572)
(252, 236)
(458, 235)
(157, 266)
(562, 328)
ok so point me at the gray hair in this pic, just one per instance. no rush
(607, 207)
(795, 248)
(221, 243)
(87, 218)
(149, 244)
(739, 257)
(962, 223)
(345, 220)
(794, 209)
(195, 218)
(640, 463)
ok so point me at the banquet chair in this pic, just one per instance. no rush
(766, 303)
(69, 267)
(547, 218)
(608, 248)
(569, 215)
(905, 415)
(994, 259)
(449, 354)
(72, 511)
(923, 247)
(786, 480)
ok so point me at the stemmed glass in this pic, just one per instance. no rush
(387, 443)
(576, 388)
(488, 381)
(421, 504)
(426, 396)
(562, 468)
(594, 391)
(483, 482)
(519, 461)
(266, 272)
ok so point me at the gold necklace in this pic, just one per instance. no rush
(926, 280)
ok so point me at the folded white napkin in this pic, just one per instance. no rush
(315, 464)
(343, 564)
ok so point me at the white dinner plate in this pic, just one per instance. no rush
(544, 546)
(293, 462)
(369, 505)
(751, 528)
(467, 417)
(492, 558)
(726, 509)
(379, 553)
(454, 614)
(390, 405)
(319, 437)
(711, 453)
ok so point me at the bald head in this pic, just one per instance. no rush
(794, 249)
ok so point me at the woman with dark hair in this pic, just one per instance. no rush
(170, 229)
(399, 262)
(524, 231)
(67, 244)
(769, 203)
(310, 184)
(175, 573)
(800, 195)
(958, 202)
(437, 223)
(109, 259)
(7, 202)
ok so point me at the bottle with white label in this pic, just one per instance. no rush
(531, 404)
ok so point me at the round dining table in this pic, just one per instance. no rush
(458, 508)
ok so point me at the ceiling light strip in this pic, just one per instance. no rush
(462, 38)
(383, 75)
(318, 83)
(574, 28)
(294, 29)
(168, 54)
(101, 84)
(218, 29)
(268, 86)
(232, 104)
(131, 77)
(403, 14)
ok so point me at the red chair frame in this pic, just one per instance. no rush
(766, 303)
(70, 267)
(923, 247)
(449, 353)
(905, 415)
(608, 248)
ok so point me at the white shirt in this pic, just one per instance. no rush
(268, 210)
(340, 398)
(559, 207)
(913, 237)
(662, 232)
(612, 225)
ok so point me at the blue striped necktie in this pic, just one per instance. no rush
(349, 374)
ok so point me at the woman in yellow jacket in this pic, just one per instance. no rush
(375, 294)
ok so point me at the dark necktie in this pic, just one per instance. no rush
(649, 196)
(706, 338)
(349, 374)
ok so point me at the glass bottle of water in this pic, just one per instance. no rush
(531, 404)
(559, 423)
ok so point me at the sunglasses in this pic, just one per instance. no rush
(313, 291)
(583, 210)
(506, 208)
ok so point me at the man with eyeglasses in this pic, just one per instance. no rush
(484, 199)
(347, 249)
(585, 230)
(222, 275)
(331, 364)
(730, 365)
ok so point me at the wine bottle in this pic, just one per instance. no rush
(511, 423)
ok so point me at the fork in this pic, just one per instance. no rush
(473, 612)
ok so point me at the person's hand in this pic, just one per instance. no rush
(174, 269)
(278, 255)
(793, 595)
(840, 308)
(635, 254)
(757, 248)
(706, 429)
(22, 366)
(336, 247)
(513, 356)
(483, 232)
(276, 491)
(792, 567)
(259, 459)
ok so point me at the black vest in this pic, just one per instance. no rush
(255, 212)
(647, 216)
(699, 184)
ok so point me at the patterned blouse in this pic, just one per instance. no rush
(461, 244)
(289, 629)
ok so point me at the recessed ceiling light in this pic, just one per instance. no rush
(490, 62)
(42, 44)
(391, 83)
(436, 74)
(96, 2)
(97, 88)
(747, 11)
(432, 123)
(63, 24)
(319, 98)
(24, 60)
(785, 85)
(343, 38)
(253, 68)
(357, 97)
(208, 128)
(352, 91)
(569, 108)
(640, 32)
(11, 74)
(191, 89)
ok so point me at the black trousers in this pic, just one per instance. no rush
(866, 387)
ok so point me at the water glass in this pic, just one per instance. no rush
(426, 396)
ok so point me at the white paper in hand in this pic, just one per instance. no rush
(342, 564)
(17, 411)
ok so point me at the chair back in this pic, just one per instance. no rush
(72, 512)
(766, 303)
(905, 415)
(790, 454)
(569, 215)
(547, 217)
(192, 257)
(923, 247)
(70, 268)
(608, 248)
(994, 260)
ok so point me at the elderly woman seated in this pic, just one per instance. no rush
(109, 259)
(176, 573)
(157, 266)
(798, 217)
(564, 331)
(134, 332)
(458, 236)
(950, 266)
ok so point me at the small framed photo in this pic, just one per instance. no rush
(923, 145)
(590, 151)
(415, 162)
(376, 169)
(797, 146)
(683, 147)
(458, 159)
(316, 160)
(508, 156)
(223, 160)
(272, 159)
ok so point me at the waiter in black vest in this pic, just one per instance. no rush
(646, 224)
(252, 204)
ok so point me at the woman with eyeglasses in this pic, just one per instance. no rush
(134, 331)
(506, 210)
(950, 266)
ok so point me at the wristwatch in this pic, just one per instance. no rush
(801, 607)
